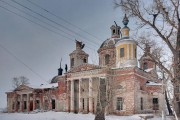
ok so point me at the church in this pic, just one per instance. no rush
(117, 85)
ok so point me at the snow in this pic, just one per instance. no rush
(148, 70)
(153, 83)
(51, 115)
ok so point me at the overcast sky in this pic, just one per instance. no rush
(34, 50)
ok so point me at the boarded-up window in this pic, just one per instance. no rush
(121, 52)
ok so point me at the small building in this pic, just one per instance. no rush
(117, 83)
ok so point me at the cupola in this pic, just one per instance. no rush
(126, 48)
(115, 31)
(78, 56)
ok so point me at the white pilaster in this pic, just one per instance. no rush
(90, 96)
(72, 96)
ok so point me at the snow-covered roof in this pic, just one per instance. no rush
(44, 86)
(149, 69)
(149, 83)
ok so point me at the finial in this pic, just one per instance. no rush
(125, 20)
(60, 62)
(115, 23)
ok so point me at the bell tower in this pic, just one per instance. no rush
(145, 60)
(115, 31)
(126, 48)
(78, 56)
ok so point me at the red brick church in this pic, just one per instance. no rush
(128, 89)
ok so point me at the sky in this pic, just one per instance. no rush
(33, 42)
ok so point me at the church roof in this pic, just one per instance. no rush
(84, 67)
(78, 52)
(108, 43)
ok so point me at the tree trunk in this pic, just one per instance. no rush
(100, 115)
(177, 72)
(168, 105)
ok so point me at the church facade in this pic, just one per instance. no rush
(117, 85)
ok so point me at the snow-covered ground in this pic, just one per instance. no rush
(64, 116)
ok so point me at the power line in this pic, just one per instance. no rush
(51, 20)
(40, 25)
(36, 23)
(22, 62)
(37, 18)
(19, 58)
(63, 19)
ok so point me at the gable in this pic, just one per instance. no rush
(84, 67)
(23, 88)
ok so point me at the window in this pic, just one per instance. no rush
(145, 66)
(141, 103)
(119, 105)
(107, 59)
(121, 52)
(85, 61)
(83, 103)
(135, 53)
(72, 62)
(155, 104)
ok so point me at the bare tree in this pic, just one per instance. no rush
(17, 81)
(157, 53)
(161, 17)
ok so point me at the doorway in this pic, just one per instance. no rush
(53, 104)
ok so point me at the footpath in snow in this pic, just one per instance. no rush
(64, 116)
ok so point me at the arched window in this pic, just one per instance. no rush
(113, 32)
(145, 66)
(107, 57)
(72, 62)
